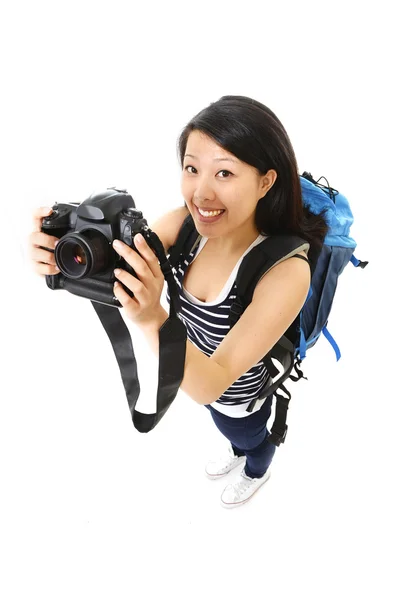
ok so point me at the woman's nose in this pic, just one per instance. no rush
(204, 189)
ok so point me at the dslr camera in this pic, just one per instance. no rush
(84, 254)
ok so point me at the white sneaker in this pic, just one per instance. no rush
(223, 465)
(236, 494)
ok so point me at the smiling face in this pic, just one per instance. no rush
(214, 179)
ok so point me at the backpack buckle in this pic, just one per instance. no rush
(166, 268)
(237, 307)
(236, 310)
(277, 438)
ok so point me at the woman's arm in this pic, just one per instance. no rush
(277, 300)
(202, 376)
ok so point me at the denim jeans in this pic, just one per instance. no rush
(248, 437)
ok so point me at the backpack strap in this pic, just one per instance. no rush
(187, 240)
(358, 263)
(255, 264)
(259, 261)
(303, 257)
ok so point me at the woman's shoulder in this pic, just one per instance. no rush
(292, 271)
(167, 226)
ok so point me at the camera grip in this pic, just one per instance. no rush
(92, 289)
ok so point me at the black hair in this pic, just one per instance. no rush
(253, 133)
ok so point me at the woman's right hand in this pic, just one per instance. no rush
(43, 260)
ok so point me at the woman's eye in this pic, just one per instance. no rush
(224, 171)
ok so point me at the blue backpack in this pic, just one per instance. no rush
(326, 266)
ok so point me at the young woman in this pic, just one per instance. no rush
(240, 183)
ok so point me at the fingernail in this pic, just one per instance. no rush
(138, 238)
(55, 243)
(117, 272)
(117, 244)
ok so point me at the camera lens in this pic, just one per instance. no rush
(79, 256)
(82, 254)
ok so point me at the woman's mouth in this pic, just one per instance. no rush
(209, 216)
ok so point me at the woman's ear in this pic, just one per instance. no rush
(267, 181)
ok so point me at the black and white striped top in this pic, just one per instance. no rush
(207, 324)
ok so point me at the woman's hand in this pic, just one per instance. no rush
(145, 307)
(43, 260)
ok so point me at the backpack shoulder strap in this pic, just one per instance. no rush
(187, 240)
(258, 262)
(255, 264)
(303, 257)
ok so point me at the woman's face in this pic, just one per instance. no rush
(214, 179)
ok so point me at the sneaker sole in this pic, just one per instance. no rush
(236, 504)
(218, 476)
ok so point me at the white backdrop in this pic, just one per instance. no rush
(95, 94)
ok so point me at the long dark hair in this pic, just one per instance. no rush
(253, 133)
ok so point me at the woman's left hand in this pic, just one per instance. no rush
(144, 308)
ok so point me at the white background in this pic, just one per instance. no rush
(95, 94)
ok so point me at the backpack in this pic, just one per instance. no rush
(326, 265)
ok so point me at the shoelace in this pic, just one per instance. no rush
(242, 486)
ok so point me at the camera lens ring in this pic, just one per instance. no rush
(73, 256)
(84, 253)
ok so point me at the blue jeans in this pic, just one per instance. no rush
(248, 437)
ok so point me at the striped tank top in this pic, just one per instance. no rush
(207, 324)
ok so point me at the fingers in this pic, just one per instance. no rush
(42, 256)
(43, 259)
(124, 298)
(38, 238)
(146, 263)
(38, 215)
(131, 282)
(43, 269)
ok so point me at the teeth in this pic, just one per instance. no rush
(211, 213)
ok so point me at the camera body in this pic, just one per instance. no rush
(84, 254)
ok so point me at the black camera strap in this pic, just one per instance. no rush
(172, 348)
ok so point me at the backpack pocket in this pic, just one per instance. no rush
(315, 313)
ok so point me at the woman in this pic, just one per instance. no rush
(240, 183)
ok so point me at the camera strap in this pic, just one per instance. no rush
(172, 348)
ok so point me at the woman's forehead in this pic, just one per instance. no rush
(199, 145)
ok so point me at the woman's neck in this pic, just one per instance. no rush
(228, 246)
